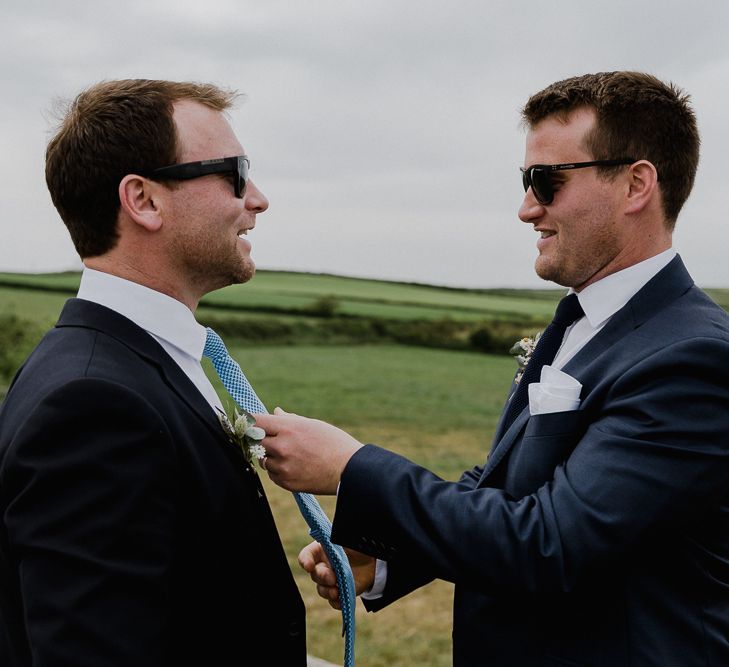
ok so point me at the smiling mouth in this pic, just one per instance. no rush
(546, 234)
(244, 232)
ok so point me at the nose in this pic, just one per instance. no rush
(254, 200)
(530, 208)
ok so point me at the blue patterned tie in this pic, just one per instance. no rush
(320, 527)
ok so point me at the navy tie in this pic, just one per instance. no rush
(568, 311)
(320, 528)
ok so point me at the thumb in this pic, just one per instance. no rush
(279, 411)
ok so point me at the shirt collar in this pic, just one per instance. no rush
(156, 313)
(606, 297)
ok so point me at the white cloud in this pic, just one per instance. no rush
(385, 134)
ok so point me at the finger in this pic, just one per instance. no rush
(275, 476)
(320, 556)
(267, 423)
(308, 556)
(263, 462)
(279, 412)
(324, 575)
(336, 605)
(328, 593)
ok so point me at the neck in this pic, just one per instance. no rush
(142, 275)
(633, 249)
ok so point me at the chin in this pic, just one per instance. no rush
(543, 269)
(244, 273)
(551, 273)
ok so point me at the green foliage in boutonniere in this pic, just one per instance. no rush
(522, 351)
(243, 433)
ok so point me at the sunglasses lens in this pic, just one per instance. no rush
(541, 185)
(243, 166)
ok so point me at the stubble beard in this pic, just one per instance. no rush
(570, 269)
(213, 268)
(552, 269)
(561, 273)
(231, 268)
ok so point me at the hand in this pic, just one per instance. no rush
(314, 560)
(305, 454)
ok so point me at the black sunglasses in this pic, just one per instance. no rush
(237, 167)
(538, 177)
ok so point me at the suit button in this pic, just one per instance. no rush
(294, 629)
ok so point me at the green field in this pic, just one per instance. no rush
(436, 406)
(289, 291)
(285, 291)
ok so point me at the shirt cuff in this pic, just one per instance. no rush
(378, 586)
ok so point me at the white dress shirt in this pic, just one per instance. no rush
(169, 321)
(600, 301)
(603, 299)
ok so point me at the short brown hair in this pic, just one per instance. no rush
(638, 116)
(112, 129)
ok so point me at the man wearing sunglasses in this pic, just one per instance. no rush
(597, 531)
(132, 530)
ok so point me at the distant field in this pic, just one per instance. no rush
(36, 305)
(355, 294)
(369, 298)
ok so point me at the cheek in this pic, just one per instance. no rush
(592, 235)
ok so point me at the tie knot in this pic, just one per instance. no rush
(214, 346)
(568, 310)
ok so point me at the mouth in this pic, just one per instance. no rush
(244, 232)
(543, 242)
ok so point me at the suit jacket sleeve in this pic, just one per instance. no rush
(92, 595)
(655, 454)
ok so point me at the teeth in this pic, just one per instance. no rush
(546, 235)
(244, 233)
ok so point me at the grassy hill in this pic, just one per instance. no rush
(285, 292)
(298, 308)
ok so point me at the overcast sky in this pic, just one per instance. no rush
(385, 133)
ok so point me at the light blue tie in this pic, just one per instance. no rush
(320, 527)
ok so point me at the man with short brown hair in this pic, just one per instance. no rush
(597, 531)
(133, 530)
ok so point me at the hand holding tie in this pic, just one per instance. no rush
(313, 559)
(242, 392)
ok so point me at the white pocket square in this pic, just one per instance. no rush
(555, 392)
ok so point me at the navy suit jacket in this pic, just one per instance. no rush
(132, 531)
(594, 537)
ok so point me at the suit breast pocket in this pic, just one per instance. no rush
(547, 442)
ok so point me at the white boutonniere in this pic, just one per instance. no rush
(243, 433)
(522, 351)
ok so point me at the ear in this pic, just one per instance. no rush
(642, 186)
(138, 201)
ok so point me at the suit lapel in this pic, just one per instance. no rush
(503, 446)
(89, 315)
(665, 287)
